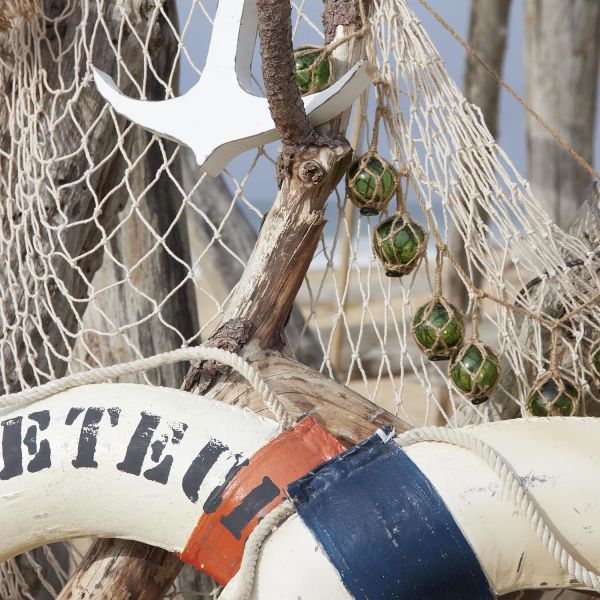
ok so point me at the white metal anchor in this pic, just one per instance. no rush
(219, 117)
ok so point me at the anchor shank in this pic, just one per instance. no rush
(231, 52)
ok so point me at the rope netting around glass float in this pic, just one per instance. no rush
(115, 247)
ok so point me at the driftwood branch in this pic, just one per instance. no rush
(255, 318)
(276, 49)
(224, 261)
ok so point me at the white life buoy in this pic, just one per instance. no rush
(149, 464)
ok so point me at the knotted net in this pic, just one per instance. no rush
(114, 246)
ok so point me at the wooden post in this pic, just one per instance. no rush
(488, 32)
(561, 54)
(220, 268)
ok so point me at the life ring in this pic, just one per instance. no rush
(394, 517)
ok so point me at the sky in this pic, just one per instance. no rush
(456, 12)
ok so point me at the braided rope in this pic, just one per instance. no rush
(103, 374)
(240, 587)
(519, 495)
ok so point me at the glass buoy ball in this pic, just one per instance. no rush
(371, 183)
(438, 328)
(312, 76)
(595, 361)
(554, 396)
(475, 371)
(399, 243)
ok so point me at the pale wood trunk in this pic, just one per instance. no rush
(561, 53)
(38, 315)
(223, 261)
(488, 32)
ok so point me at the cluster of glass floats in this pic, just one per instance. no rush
(399, 242)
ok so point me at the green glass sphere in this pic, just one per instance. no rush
(475, 371)
(438, 329)
(311, 77)
(371, 183)
(399, 243)
(554, 396)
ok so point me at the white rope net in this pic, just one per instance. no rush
(114, 247)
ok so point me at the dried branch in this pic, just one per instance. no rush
(344, 13)
(281, 88)
(314, 163)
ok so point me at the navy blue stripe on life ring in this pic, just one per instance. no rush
(386, 529)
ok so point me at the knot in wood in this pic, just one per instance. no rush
(310, 171)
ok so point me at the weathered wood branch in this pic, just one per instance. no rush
(253, 325)
(224, 260)
(285, 102)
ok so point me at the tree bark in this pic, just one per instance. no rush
(488, 32)
(561, 53)
(45, 265)
(46, 262)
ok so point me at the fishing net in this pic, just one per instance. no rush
(114, 246)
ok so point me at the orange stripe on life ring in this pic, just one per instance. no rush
(216, 545)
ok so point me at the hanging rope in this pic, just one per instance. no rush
(518, 494)
(103, 374)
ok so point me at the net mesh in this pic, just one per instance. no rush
(115, 247)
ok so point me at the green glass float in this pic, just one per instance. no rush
(554, 396)
(475, 371)
(399, 242)
(438, 329)
(312, 74)
(371, 183)
(595, 361)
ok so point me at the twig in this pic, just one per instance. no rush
(281, 89)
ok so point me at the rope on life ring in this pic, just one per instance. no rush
(517, 493)
(103, 374)
(240, 587)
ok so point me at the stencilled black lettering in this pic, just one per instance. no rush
(250, 506)
(215, 498)
(88, 438)
(201, 465)
(13, 440)
(141, 442)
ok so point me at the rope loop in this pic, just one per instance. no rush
(104, 374)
